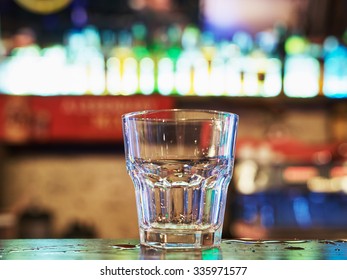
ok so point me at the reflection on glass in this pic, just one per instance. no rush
(149, 253)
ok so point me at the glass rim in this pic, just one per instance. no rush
(146, 113)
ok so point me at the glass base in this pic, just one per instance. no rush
(174, 239)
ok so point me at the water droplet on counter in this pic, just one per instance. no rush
(294, 241)
(255, 242)
(327, 242)
(124, 246)
(294, 248)
(271, 242)
(243, 241)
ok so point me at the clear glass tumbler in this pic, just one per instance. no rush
(181, 162)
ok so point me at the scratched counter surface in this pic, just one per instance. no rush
(108, 249)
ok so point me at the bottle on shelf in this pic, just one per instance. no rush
(146, 65)
(335, 68)
(122, 67)
(184, 75)
(301, 69)
(166, 61)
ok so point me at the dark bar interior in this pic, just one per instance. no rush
(69, 70)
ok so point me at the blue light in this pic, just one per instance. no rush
(335, 72)
(267, 216)
(302, 212)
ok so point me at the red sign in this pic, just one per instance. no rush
(15, 124)
(71, 118)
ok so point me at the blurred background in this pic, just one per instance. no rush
(70, 68)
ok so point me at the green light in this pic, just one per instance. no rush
(140, 52)
(190, 37)
(174, 53)
(296, 45)
(211, 254)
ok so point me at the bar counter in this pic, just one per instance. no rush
(124, 249)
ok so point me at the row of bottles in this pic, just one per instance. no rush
(182, 61)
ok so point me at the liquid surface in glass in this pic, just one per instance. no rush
(181, 194)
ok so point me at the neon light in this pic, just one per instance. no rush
(166, 76)
(147, 75)
(130, 79)
(301, 76)
(201, 77)
(113, 78)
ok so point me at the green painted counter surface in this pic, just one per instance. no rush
(121, 249)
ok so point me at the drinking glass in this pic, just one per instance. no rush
(181, 162)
